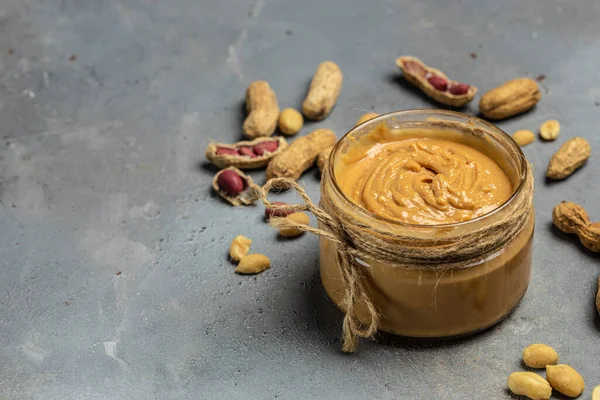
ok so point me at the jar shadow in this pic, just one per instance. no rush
(306, 316)
(388, 339)
(574, 240)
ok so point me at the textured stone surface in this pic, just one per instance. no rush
(114, 278)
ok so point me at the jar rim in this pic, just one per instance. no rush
(515, 148)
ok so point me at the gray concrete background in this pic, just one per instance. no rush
(101, 173)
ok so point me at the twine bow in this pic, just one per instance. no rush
(345, 257)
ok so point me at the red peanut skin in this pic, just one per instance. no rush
(231, 183)
(247, 151)
(263, 147)
(226, 151)
(459, 89)
(438, 82)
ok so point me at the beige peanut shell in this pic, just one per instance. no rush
(300, 155)
(324, 90)
(263, 110)
(240, 161)
(323, 158)
(246, 197)
(571, 155)
(511, 98)
(416, 72)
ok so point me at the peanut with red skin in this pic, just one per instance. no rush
(434, 82)
(231, 183)
(438, 82)
(459, 89)
(252, 154)
(272, 212)
(235, 187)
(225, 150)
(247, 151)
(267, 147)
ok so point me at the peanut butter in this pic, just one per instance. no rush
(426, 177)
(425, 181)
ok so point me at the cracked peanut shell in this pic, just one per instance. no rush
(242, 195)
(250, 154)
(417, 73)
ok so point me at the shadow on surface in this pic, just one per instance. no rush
(205, 166)
(552, 182)
(596, 323)
(574, 240)
(239, 115)
(388, 339)
(309, 311)
(555, 394)
(511, 118)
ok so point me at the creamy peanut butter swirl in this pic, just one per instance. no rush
(422, 181)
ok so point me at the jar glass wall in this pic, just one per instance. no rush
(434, 302)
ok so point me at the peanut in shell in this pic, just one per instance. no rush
(571, 155)
(511, 98)
(263, 110)
(324, 90)
(300, 155)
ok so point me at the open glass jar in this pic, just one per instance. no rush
(426, 301)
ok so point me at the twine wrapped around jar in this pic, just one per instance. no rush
(355, 242)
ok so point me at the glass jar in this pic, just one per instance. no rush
(433, 302)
